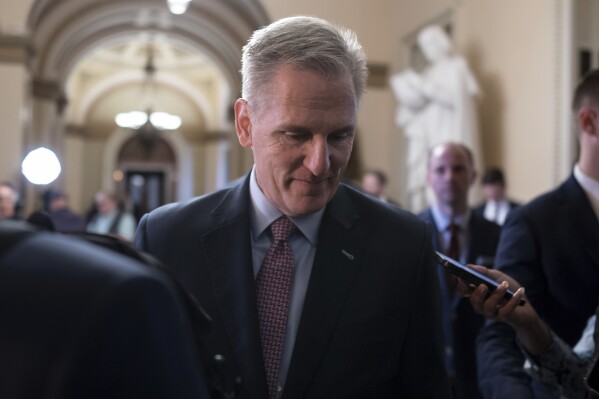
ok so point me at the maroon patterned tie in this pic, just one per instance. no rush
(273, 285)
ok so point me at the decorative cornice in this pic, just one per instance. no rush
(74, 130)
(16, 49)
(378, 75)
(49, 90)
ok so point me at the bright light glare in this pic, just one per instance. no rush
(136, 119)
(41, 166)
(165, 121)
(178, 7)
(131, 120)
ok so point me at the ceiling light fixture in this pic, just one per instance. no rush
(148, 120)
(178, 7)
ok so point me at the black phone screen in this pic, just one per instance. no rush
(470, 275)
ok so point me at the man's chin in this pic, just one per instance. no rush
(307, 205)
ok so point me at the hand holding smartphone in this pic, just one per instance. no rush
(469, 275)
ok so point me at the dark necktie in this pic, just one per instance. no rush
(453, 251)
(273, 285)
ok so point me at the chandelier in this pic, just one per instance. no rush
(147, 119)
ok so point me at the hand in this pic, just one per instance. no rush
(532, 331)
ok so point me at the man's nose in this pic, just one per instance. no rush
(317, 159)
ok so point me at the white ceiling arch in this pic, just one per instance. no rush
(64, 31)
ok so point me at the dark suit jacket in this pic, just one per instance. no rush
(79, 321)
(550, 246)
(461, 324)
(370, 322)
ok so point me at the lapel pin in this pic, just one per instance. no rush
(349, 256)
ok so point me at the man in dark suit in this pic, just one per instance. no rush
(362, 318)
(468, 238)
(80, 321)
(496, 206)
(551, 247)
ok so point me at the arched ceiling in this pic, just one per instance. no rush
(110, 80)
(94, 51)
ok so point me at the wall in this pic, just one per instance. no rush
(12, 115)
(511, 46)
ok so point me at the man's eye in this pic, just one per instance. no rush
(339, 136)
(297, 135)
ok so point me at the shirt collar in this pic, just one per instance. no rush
(442, 221)
(263, 213)
(589, 185)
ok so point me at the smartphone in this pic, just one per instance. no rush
(470, 275)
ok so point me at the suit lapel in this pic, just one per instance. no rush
(428, 217)
(338, 257)
(576, 207)
(229, 256)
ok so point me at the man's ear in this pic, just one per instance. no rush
(587, 120)
(473, 177)
(243, 123)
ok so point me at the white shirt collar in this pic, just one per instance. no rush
(590, 186)
(263, 213)
(442, 221)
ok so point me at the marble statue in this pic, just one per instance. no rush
(435, 106)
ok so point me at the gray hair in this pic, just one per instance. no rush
(307, 42)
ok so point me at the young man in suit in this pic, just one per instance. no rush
(356, 310)
(469, 238)
(496, 205)
(551, 247)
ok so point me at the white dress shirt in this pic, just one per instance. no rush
(590, 186)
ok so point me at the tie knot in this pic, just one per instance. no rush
(453, 228)
(282, 228)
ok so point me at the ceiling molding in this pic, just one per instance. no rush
(15, 49)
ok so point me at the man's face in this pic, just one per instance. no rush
(450, 175)
(301, 132)
(104, 203)
(372, 185)
(493, 191)
(7, 202)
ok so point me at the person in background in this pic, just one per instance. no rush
(110, 218)
(548, 358)
(374, 182)
(8, 201)
(496, 205)
(468, 238)
(551, 247)
(316, 290)
(56, 204)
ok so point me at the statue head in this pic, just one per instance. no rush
(434, 43)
